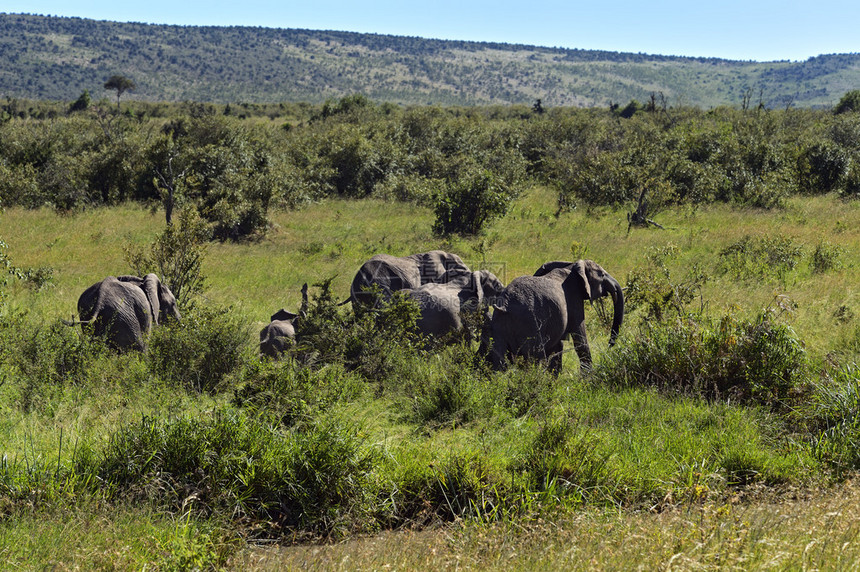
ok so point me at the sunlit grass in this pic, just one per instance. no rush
(680, 457)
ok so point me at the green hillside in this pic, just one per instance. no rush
(58, 58)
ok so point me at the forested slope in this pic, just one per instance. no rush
(57, 58)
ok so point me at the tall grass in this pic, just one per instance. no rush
(691, 409)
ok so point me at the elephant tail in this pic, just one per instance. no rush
(77, 322)
(345, 302)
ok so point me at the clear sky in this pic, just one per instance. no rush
(739, 30)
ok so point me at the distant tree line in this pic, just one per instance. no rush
(234, 163)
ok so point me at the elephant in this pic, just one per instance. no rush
(278, 335)
(535, 313)
(385, 274)
(442, 303)
(123, 309)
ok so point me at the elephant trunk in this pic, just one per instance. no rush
(618, 301)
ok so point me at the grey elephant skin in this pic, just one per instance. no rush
(442, 303)
(385, 274)
(535, 313)
(279, 334)
(123, 309)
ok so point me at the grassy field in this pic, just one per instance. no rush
(642, 476)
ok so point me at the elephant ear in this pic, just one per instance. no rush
(150, 288)
(283, 314)
(579, 271)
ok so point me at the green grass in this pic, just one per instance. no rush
(547, 471)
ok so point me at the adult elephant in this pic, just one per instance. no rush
(442, 303)
(123, 309)
(278, 335)
(385, 274)
(535, 313)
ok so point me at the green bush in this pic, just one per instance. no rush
(316, 481)
(761, 257)
(176, 255)
(833, 415)
(368, 341)
(826, 257)
(563, 459)
(654, 289)
(822, 167)
(201, 352)
(460, 485)
(848, 103)
(470, 202)
(48, 357)
(446, 388)
(753, 360)
(290, 393)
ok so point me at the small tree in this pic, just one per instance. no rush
(82, 103)
(176, 255)
(470, 202)
(120, 84)
(849, 102)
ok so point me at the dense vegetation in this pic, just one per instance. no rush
(734, 379)
(58, 58)
(466, 163)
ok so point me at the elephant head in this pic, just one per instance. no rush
(595, 283)
(162, 302)
(535, 313)
(278, 335)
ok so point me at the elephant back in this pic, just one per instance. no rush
(433, 265)
(276, 337)
(439, 307)
(531, 298)
(117, 309)
(388, 273)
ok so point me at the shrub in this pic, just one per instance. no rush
(49, 357)
(822, 167)
(758, 360)
(825, 257)
(761, 256)
(176, 255)
(461, 485)
(833, 416)
(655, 289)
(470, 202)
(202, 351)
(851, 185)
(562, 459)
(368, 341)
(446, 388)
(289, 393)
(317, 481)
(848, 103)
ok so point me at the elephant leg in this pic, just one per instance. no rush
(498, 355)
(554, 355)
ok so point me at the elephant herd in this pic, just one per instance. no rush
(530, 316)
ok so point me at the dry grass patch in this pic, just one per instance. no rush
(795, 530)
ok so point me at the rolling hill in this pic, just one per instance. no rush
(44, 57)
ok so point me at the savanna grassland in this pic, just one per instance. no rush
(719, 432)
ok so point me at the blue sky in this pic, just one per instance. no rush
(762, 31)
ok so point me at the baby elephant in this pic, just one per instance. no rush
(278, 335)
